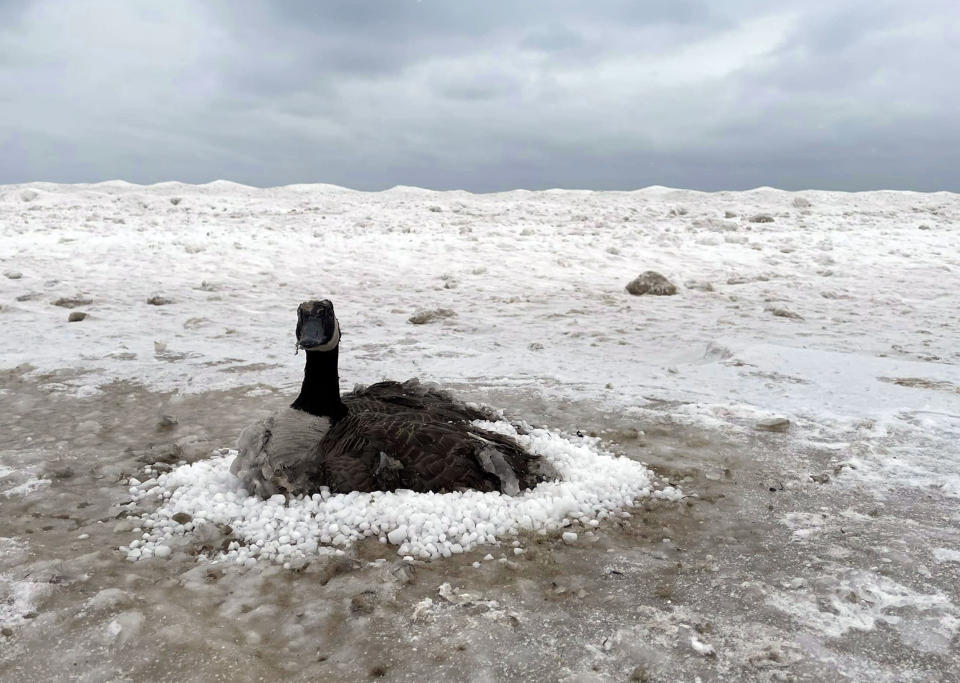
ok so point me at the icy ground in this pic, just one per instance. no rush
(293, 530)
(823, 549)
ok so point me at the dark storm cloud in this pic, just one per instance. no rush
(484, 96)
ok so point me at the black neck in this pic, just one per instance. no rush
(320, 392)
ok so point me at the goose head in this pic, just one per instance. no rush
(317, 326)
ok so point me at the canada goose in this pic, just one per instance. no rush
(387, 436)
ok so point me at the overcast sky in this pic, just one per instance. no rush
(491, 95)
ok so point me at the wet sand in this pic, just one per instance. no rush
(760, 573)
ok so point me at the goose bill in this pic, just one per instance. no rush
(318, 329)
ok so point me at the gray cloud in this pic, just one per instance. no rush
(482, 96)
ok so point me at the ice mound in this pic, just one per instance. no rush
(18, 599)
(18, 596)
(422, 525)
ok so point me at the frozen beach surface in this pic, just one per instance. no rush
(424, 525)
(800, 386)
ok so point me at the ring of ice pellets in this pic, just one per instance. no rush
(420, 525)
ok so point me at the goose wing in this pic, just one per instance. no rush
(380, 451)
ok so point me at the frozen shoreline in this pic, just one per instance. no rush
(535, 283)
(855, 498)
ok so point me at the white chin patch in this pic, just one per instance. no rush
(334, 340)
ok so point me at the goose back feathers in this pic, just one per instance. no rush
(414, 437)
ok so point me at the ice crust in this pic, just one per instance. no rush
(422, 525)
(18, 594)
(535, 280)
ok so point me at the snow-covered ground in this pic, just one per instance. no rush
(825, 550)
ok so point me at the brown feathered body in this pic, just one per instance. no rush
(392, 436)
(388, 436)
(408, 436)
